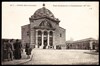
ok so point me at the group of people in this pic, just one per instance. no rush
(12, 50)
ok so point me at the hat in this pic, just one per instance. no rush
(17, 40)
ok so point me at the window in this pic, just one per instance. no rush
(39, 33)
(60, 35)
(27, 33)
(51, 33)
(23, 29)
(45, 33)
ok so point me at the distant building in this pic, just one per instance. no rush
(43, 31)
(88, 43)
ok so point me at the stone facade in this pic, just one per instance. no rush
(25, 34)
(43, 31)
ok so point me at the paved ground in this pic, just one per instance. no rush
(68, 57)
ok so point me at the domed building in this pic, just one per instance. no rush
(43, 31)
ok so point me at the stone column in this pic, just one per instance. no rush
(36, 46)
(48, 40)
(54, 46)
(42, 38)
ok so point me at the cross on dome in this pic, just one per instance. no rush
(43, 4)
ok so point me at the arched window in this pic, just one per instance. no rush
(39, 33)
(45, 33)
(27, 33)
(51, 33)
(39, 38)
(60, 35)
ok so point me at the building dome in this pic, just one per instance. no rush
(42, 12)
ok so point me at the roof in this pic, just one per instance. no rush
(82, 40)
(44, 13)
(25, 25)
(86, 39)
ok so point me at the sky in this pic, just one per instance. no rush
(80, 19)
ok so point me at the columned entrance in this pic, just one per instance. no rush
(44, 39)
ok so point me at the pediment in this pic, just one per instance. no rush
(45, 23)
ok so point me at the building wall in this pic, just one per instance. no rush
(62, 37)
(55, 33)
(79, 45)
(25, 34)
(58, 30)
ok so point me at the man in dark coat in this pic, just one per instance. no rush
(28, 50)
(10, 50)
(17, 51)
(5, 51)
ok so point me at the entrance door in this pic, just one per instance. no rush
(39, 41)
(51, 39)
(93, 47)
(45, 43)
(45, 40)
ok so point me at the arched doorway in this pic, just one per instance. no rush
(45, 40)
(94, 45)
(39, 38)
(51, 39)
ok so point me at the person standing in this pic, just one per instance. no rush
(10, 51)
(17, 51)
(28, 50)
(5, 51)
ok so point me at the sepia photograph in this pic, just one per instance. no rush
(50, 33)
